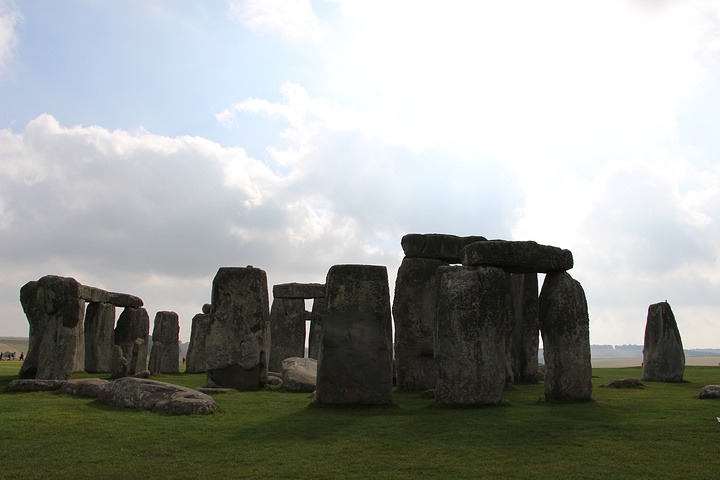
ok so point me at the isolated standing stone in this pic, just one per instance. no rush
(414, 308)
(131, 334)
(99, 336)
(663, 354)
(196, 356)
(565, 328)
(165, 349)
(517, 257)
(238, 344)
(316, 322)
(287, 331)
(355, 365)
(526, 328)
(470, 332)
(436, 245)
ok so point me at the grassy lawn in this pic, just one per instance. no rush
(660, 431)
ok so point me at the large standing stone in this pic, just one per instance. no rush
(355, 365)
(99, 336)
(287, 331)
(299, 290)
(526, 328)
(316, 322)
(196, 356)
(471, 327)
(414, 308)
(131, 334)
(165, 349)
(238, 344)
(35, 313)
(517, 257)
(436, 245)
(565, 328)
(663, 355)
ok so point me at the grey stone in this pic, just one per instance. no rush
(565, 328)
(165, 350)
(526, 328)
(517, 257)
(138, 360)
(34, 385)
(84, 387)
(238, 344)
(710, 391)
(470, 331)
(623, 383)
(99, 336)
(436, 245)
(118, 363)
(355, 365)
(316, 322)
(196, 355)
(414, 308)
(299, 374)
(663, 354)
(133, 324)
(274, 380)
(207, 309)
(143, 374)
(299, 290)
(98, 295)
(156, 396)
(287, 330)
(35, 314)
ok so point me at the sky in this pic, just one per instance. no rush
(144, 145)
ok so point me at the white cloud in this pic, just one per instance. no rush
(294, 19)
(9, 18)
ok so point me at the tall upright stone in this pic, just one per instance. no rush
(663, 354)
(165, 349)
(196, 354)
(131, 335)
(238, 344)
(470, 335)
(414, 308)
(35, 313)
(99, 337)
(565, 328)
(355, 365)
(287, 331)
(316, 322)
(526, 327)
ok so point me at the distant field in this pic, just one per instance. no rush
(709, 361)
(13, 345)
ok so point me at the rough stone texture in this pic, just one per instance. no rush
(118, 363)
(287, 330)
(316, 322)
(35, 313)
(207, 309)
(518, 257)
(414, 308)
(663, 355)
(195, 358)
(299, 374)
(565, 328)
(299, 290)
(99, 336)
(526, 328)
(355, 365)
(470, 331)
(156, 396)
(710, 391)
(84, 387)
(437, 245)
(274, 379)
(165, 349)
(133, 324)
(34, 385)
(98, 295)
(238, 344)
(623, 383)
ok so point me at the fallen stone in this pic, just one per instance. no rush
(158, 397)
(33, 385)
(517, 257)
(299, 374)
(299, 290)
(710, 391)
(274, 379)
(663, 354)
(437, 245)
(624, 383)
(84, 387)
(214, 391)
(143, 374)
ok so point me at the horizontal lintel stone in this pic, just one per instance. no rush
(436, 245)
(518, 257)
(98, 295)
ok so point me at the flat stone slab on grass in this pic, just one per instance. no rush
(84, 387)
(624, 383)
(299, 374)
(157, 397)
(517, 257)
(710, 391)
(32, 385)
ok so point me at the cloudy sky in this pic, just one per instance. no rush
(143, 145)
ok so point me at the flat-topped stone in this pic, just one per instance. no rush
(299, 290)
(34, 385)
(517, 257)
(437, 245)
(159, 397)
(98, 295)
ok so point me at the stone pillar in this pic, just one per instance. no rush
(526, 328)
(35, 314)
(355, 365)
(316, 323)
(565, 328)
(238, 344)
(414, 308)
(663, 354)
(196, 354)
(99, 336)
(131, 335)
(470, 335)
(165, 349)
(287, 331)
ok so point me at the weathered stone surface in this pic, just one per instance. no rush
(165, 349)
(84, 387)
(238, 344)
(437, 245)
(710, 391)
(99, 336)
(143, 374)
(355, 365)
(565, 328)
(414, 308)
(207, 309)
(274, 379)
(118, 363)
(133, 324)
(299, 290)
(470, 331)
(34, 385)
(526, 328)
(663, 354)
(156, 396)
(195, 359)
(518, 257)
(299, 374)
(287, 330)
(35, 313)
(98, 295)
(623, 383)
(316, 322)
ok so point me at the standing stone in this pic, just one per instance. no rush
(663, 355)
(238, 344)
(99, 336)
(316, 322)
(414, 308)
(355, 365)
(165, 349)
(196, 354)
(131, 334)
(470, 331)
(526, 328)
(287, 331)
(299, 290)
(565, 328)
(35, 313)
(118, 363)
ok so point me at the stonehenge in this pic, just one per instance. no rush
(663, 354)
(165, 350)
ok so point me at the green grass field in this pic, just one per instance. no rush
(660, 431)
